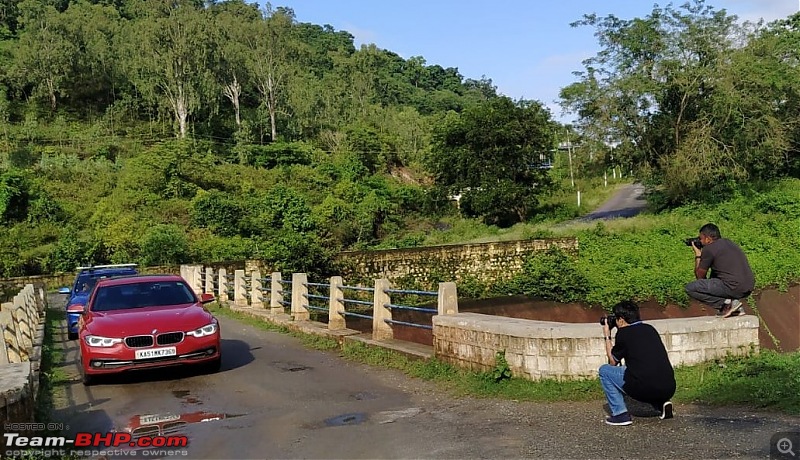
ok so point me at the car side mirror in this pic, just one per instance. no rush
(64, 290)
(206, 298)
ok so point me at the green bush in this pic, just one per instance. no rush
(164, 244)
(552, 275)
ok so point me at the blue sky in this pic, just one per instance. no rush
(526, 47)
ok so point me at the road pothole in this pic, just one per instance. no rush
(346, 419)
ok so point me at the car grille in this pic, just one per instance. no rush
(169, 338)
(139, 341)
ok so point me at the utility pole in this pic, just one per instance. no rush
(569, 153)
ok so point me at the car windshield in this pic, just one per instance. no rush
(85, 285)
(140, 295)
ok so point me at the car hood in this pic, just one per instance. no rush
(144, 321)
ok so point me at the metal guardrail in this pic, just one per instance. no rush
(229, 289)
(410, 292)
(287, 305)
(347, 301)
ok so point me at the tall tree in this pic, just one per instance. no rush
(230, 36)
(666, 87)
(44, 55)
(271, 48)
(490, 155)
(168, 52)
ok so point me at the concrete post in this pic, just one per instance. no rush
(8, 327)
(239, 289)
(23, 326)
(184, 272)
(209, 287)
(276, 294)
(381, 330)
(448, 299)
(223, 285)
(299, 299)
(336, 321)
(256, 296)
(197, 279)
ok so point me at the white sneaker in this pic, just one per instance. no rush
(737, 308)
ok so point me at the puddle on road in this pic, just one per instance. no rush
(186, 396)
(346, 419)
(168, 423)
(290, 366)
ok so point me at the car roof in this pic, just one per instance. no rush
(107, 272)
(137, 279)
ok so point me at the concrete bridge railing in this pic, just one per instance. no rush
(22, 324)
(534, 349)
(295, 297)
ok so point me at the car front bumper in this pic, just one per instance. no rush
(96, 361)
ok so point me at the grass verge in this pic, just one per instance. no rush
(766, 380)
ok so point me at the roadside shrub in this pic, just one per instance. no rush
(164, 244)
(552, 275)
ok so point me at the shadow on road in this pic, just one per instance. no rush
(235, 354)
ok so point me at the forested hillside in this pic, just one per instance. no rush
(169, 131)
(175, 131)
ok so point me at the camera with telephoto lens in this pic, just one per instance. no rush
(696, 241)
(610, 319)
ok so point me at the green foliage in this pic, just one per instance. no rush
(501, 370)
(489, 154)
(163, 245)
(552, 275)
(218, 212)
(14, 195)
(69, 252)
(766, 380)
(275, 154)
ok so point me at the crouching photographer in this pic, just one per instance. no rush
(647, 375)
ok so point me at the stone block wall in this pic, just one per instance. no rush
(541, 349)
(485, 261)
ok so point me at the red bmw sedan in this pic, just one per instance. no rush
(143, 322)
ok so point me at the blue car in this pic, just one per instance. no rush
(84, 283)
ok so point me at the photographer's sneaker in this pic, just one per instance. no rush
(620, 420)
(735, 308)
(666, 411)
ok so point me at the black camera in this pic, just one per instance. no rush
(696, 241)
(610, 319)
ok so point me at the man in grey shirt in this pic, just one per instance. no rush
(731, 277)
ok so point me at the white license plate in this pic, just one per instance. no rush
(156, 352)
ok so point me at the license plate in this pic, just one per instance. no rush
(157, 418)
(156, 352)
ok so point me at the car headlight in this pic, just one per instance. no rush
(99, 341)
(208, 329)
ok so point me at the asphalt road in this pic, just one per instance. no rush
(627, 202)
(274, 399)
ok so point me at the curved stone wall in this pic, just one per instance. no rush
(542, 349)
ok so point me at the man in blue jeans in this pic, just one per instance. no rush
(647, 375)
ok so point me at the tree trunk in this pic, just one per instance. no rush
(52, 92)
(271, 102)
(233, 91)
(181, 113)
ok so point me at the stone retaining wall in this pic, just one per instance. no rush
(486, 262)
(22, 326)
(541, 349)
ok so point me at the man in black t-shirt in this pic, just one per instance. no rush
(647, 375)
(731, 277)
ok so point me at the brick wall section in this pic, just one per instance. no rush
(484, 261)
(541, 349)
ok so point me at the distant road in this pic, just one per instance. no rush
(627, 202)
